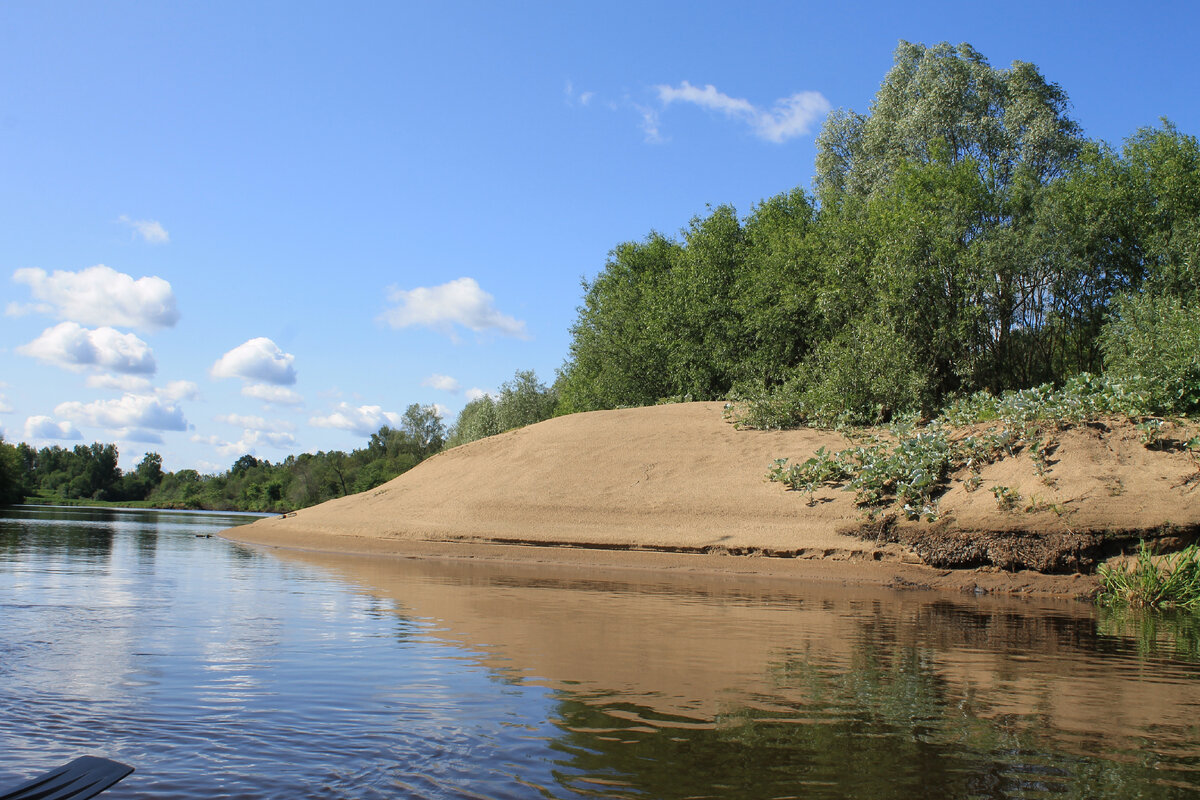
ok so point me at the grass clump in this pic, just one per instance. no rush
(1153, 581)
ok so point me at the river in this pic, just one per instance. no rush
(219, 670)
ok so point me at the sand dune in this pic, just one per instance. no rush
(681, 479)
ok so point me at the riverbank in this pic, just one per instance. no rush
(677, 487)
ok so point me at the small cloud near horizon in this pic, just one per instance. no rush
(363, 420)
(41, 427)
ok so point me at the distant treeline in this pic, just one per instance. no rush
(91, 472)
(963, 235)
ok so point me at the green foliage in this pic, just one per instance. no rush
(910, 471)
(1006, 497)
(523, 401)
(90, 474)
(1153, 581)
(967, 239)
(947, 101)
(12, 484)
(1153, 342)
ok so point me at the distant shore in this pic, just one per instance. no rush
(677, 487)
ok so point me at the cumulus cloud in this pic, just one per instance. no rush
(363, 420)
(135, 384)
(474, 393)
(275, 395)
(257, 361)
(150, 230)
(790, 116)
(99, 295)
(71, 346)
(459, 302)
(121, 383)
(251, 422)
(441, 382)
(47, 428)
(179, 390)
(249, 443)
(142, 436)
(129, 412)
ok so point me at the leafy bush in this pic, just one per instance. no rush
(1153, 343)
(523, 401)
(910, 471)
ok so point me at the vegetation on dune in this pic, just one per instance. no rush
(910, 465)
(963, 236)
(522, 401)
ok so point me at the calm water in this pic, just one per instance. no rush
(220, 671)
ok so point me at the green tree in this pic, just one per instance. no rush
(948, 99)
(620, 352)
(13, 478)
(424, 426)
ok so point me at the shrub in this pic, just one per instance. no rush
(1153, 343)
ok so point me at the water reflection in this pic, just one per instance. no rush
(668, 689)
(221, 670)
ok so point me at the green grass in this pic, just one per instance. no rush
(1170, 581)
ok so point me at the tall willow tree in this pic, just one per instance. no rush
(963, 236)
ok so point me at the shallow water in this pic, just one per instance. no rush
(218, 670)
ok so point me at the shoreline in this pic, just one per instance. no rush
(677, 488)
(890, 573)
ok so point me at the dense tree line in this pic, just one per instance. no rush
(963, 235)
(91, 472)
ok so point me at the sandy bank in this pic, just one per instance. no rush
(677, 487)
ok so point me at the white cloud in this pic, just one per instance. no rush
(134, 384)
(120, 383)
(363, 420)
(650, 124)
(790, 116)
(275, 395)
(129, 412)
(150, 230)
(74, 347)
(442, 411)
(475, 393)
(573, 97)
(257, 361)
(142, 436)
(100, 295)
(255, 423)
(441, 382)
(459, 302)
(46, 428)
(179, 390)
(249, 443)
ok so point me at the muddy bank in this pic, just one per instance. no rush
(678, 487)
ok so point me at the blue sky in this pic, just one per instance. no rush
(269, 227)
